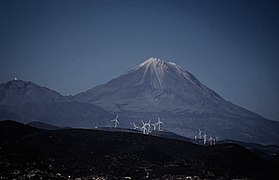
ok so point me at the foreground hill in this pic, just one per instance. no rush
(31, 153)
(159, 88)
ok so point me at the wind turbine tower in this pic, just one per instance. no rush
(158, 123)
(200, 134)
(210, 140)
(149, 126)
(204, 139)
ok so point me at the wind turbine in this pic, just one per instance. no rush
(204, 139)
(158, 123)
(154, 126)
(149, 126)
(200, 134)
(144, 129)
(115, 121)
(216, 138)
(195, 138)
(210, 140)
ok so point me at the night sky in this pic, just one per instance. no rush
(71, 46)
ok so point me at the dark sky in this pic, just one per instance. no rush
(69, 46)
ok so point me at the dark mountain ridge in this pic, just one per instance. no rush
(28, 152)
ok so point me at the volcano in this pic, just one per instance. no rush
(160, 88)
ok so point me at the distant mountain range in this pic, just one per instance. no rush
(152, 89)
(25, 102)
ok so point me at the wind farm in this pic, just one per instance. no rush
(146, 127)
(200, 138)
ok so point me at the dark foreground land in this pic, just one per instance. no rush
(31, 153)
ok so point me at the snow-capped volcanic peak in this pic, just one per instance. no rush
(160, 65)
(156, 68)
(154, 84)
(151, 61)
(160, 70)
(156, 62)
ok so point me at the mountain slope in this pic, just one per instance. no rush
(156, 85)
(158, 88)
(25, 102)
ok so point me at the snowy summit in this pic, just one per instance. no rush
(155, 62)
(152, 61)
